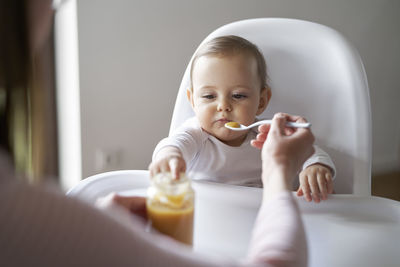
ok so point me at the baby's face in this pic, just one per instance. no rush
(226, 89)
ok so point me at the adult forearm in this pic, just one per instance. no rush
(278, 237)
(276, 179)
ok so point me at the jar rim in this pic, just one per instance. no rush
(166, 183)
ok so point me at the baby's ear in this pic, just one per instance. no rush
(265, 96)
(189, 94)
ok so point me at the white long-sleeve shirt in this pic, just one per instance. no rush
(207, 158)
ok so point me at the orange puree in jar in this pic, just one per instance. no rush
(170, 207)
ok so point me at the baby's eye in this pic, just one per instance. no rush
(239, 96)
(208, 96)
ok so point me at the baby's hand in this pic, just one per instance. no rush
(169, 159)
(315, 183)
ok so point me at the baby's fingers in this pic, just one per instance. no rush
(176, 166)
(164, 167)
(154, 169)
(173, 165)
(300, 192)
(322, 185)
(329, 182)
(305, 188)
(314, 188)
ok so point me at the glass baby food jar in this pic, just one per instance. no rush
(170, 206)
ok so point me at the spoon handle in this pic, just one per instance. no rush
(289, 123)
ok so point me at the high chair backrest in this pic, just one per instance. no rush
(316, 73)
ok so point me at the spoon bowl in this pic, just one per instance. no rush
(234, 126)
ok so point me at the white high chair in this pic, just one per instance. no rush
(316, 73)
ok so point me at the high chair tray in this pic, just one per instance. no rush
(345, 230)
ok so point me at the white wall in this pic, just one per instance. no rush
(133, 55)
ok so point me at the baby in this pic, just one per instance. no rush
(229, 83)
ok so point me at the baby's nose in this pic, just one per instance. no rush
(224, 105)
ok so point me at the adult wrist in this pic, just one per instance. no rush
(276, 179)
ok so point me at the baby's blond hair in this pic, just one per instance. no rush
(230, 45)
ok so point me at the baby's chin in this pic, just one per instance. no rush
(232, 139)
(227, 136)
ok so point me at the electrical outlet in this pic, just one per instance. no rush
(108, 159)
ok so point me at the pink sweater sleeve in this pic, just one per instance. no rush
(278, 236)
(40, 227)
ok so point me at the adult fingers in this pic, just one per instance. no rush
(293, 118)
(257, 144)
(302, 133)
(289, 131)
(135, 204)
(129, 202)
(259, 141)
(278, 124)
(307, 138)
(261, 137)
(298, 119)
(264, 128)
